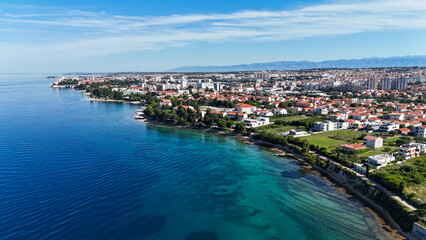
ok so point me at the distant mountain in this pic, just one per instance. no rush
(405, 61)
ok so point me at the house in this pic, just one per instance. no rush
(320, 110)
(354, 146)
(184, 106)
(397, 116)
(280, 111)
(412, 149)
(387, 127)
(264, 113)
(420, 131)
(372, 126)
(404, 131)
(381, 159)
(245, 108)
(324, 126)
(297, 133)
(373, 142)
(359, 168)
(304, 104)
(338, 116)
(260, 121)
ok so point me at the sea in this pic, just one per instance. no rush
(76, 169)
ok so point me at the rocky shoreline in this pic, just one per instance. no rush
(388, 224)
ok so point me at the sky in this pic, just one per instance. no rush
(138, 35)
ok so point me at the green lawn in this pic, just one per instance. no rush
(333, 138)
(290, 118)
(390, 141)
(276, 129)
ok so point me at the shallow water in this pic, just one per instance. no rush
(74, 169)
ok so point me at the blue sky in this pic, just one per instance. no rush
(110, 35)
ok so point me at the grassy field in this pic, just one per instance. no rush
(275, 128)
(291, 118)
(390, 141)
(333, 138)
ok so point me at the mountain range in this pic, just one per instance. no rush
(374, 62)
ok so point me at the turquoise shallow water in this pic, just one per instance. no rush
(73, 169)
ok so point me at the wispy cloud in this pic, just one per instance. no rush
(88, 34)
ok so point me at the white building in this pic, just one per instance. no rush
(397, 116)
(245, 108)
(342, 125)
(280, 111)
(389, 127)
(260, 121)
(373, 142)
(411, 150)
(324, 126)
(297, 133)
(381, 160)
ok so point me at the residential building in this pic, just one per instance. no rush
(233, 115)
(397, 116)
(280, 111)
(342, 125)
(371, 84)
(401, 83)
(404, 131)
(297, 133)
(412, 149)
(381, 159)
(260, 121)
(245, 108)
(324, 126)
(387, 127)
(420, 131)
(373, 142)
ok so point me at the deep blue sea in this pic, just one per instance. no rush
(74, 169)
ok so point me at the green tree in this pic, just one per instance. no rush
(221, 123)
(239, 127)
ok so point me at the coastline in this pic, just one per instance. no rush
(386, 221)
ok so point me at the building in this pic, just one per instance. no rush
(324, 126)
(264, 113)
(404, 131)
(381, 159)
(397, 116)
(389, 127)
(420, 131)
(343, 125)
(401, 83)
(260, 121)
(354, 146)
(280, 111)
(412, 149)
(297, 133)
(386, 84)
(233, 115)
(371, 84)
(245, 108)
(338, 116)
(373, 142)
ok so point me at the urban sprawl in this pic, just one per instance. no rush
(371, 122)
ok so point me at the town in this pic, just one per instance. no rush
(371, 121)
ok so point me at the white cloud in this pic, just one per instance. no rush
(88, 34)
